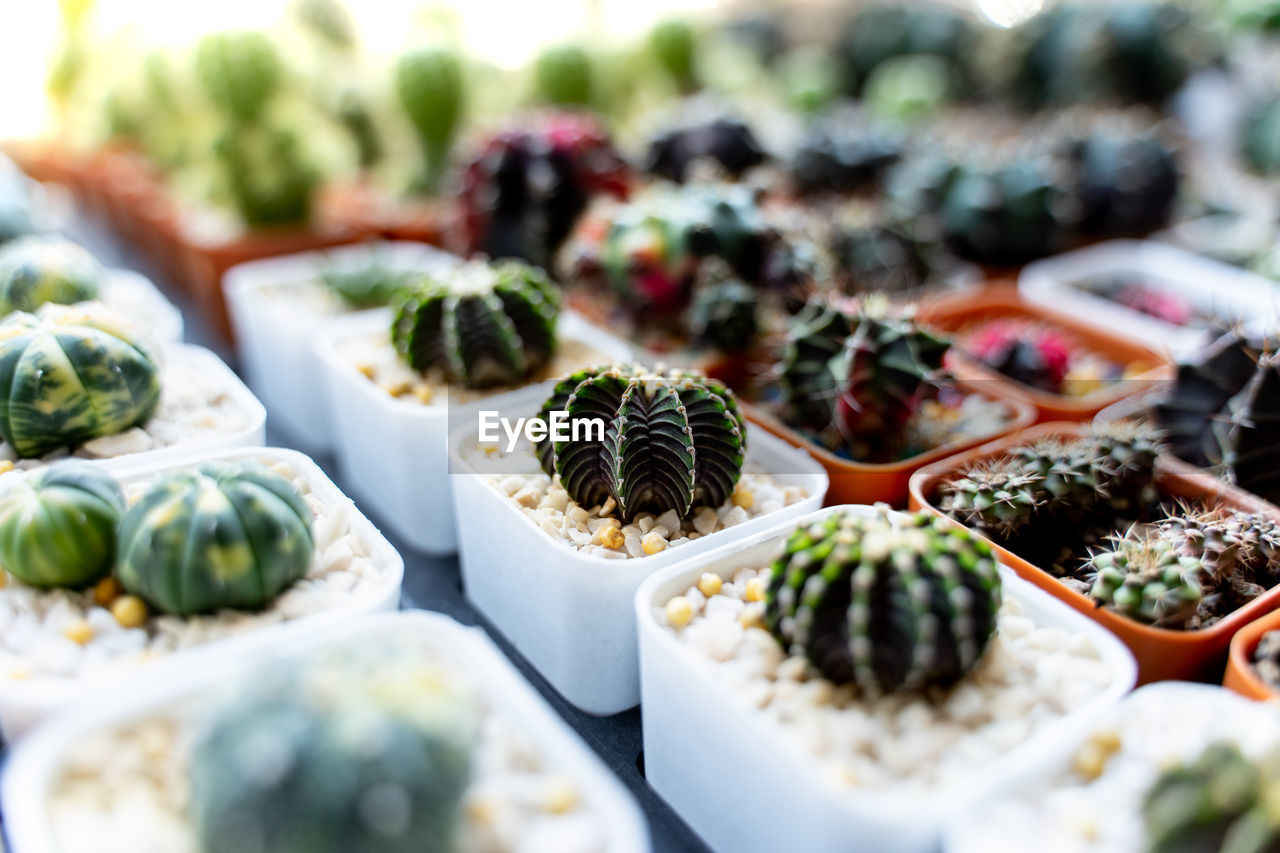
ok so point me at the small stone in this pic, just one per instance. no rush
(106, 591)
(679, 612)
(611, 537)
(607, 507)
(652, 543)
(561, 796)
(709, 584)
(130, 611)
(705, 521)
(6, 465)
(756, 588)
(743, 497)
(79, 631)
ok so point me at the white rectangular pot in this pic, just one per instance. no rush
(26, 702)
(134, 295)
(572, 614)
(36, 763)
(1231, 294)
(394, 453)
(711, 755)
(274, 337)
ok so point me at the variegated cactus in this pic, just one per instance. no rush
(673, 440)
(38, 270)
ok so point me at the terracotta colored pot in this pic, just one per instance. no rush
(867, 483)
(959, 311)
(1241, 676)
(419, 222)
(1161, 653)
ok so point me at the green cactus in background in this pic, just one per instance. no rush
(885, 603)
(71, 375)
(675, 45)
(240, 71)
(482, 324)
(368, 753)
(672, 441)
(1145, 579)
(724, 313)
(1245, 443)
(879, 32)
(563, 76)
(370, 286)
(58, 525)
(267, 174)
(37, 270)
(328, 20)
(429, 84)
(222, 535)
(907, 88)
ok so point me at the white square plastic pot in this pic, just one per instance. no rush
(133, 295)
(1225, 292)
(572, 614)
(36, 763)
(26, 702)
(394, 452)
(710, 754)
(274, 336)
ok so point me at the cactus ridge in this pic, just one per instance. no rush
(1204, 386)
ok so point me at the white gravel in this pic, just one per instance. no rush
(1030, 677)
(34, 623)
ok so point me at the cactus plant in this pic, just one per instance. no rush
(36, 270)
(267, 175)
(240, 71)
(370, 286)
(1205, 383)
(481, 324)
(1005, 216)
(70, 375)
(840, 157)
(1037, 356)
(878, 32)
(675, 44)
(724, 313)
(726, 143)
(673, 440)
(885, 603)
(563, 76)
(361, 753)
(58, 525)
(526, 187)
(429, 84)
(221, 535)
(872, 253)
(1147, 580)
(1219, 800)
(1126, 183)
(1246, 438)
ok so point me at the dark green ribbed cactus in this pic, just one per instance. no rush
(1007, 215)
(673, 440)
(724, 312)
(430, 87)
(481, 324)
(240, 71)
(563, 76)
(1204, 385)
(1247, 437)
(58, 526)
(222, 535)
(885, 603)
(879, 32)
(36, 270)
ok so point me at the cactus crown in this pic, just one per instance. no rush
(1204, 385)
(673, 440)
(482, 325)
(36, 270)
(1144, 578)
(885, 603)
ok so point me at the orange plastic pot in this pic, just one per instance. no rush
(958, 312)
(1161, 653)
(1241, 676)
(866, 483)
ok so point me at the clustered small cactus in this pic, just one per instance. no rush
(481, 325)
(885, 603)
(725, 144)
(674, 440)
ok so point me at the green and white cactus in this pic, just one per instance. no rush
(673, 440)
(223, 535)
(885, 603)
(38, 270)
(70, 375)
(58, 525)
(481, 325)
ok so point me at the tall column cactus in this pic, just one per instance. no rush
(429, 84)
(240, 72)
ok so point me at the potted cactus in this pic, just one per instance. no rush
(1253, 662)
(676, 471)
(808, 627)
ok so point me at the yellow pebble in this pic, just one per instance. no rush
(611, 536)
(424, 393)
(652, 543)
(679, 611)
(398, 389)
(752, 617)
(79, 631)
(561, 797)
(6, 465)
(755, 589)
(130, 611)
(366, 369)
(709, 584)
(1091, 758)
(743, 497)
(106, 591)
(4, 578)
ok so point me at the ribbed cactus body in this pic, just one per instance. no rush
(58, 526)
(482, 324)
(1204, 385)
(70, 375)
(883, 603)
(1248, 439)
(724, 313)
(1126, 184)
(37, 270)
(879, 32)
(268, 176)
(224, 535)
(672, 441)
(563, 76)
(998, 497)
(1147, 580)
(835, 157)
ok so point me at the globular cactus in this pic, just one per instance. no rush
(1204, 385)
(429, 84)
(999, 497)
(1247, 436)
(221, 535)
(842, 157)
(481, 325)
(72, 374)
(525, 187)
(1037, 356)
(37, 270)
(1126, 184)
(871, 252)
(58, 525)
(366, 752)
(240, 71)
(268, 175)
(1145, 579)
(879, 32)
(675, 45)
(727, 144)
(910, 88)
(724, 315)
(885, 603)
(563, 76)
(673, 440)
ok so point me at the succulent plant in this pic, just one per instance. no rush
(1246, 438)
(526, 187)
(1219, 800)
(562, 76)
(724, 313)
(240, 71)
(429, 84)
(1260, 137)
(998, 497)
(364, 753)
(879, 32)
(36, 270)
(1126, 184)
(328, 20)
(370, 286)
(885, 603)
(58, 525)
(675, 44)
(1205, 384)
(268, 176)
(910, 88)
(871, 253)
(221, 535)
(70, 375)
(673, 440)
(1036, 356)
(481, 325)
(1145, 579)
(840, 157)
(1004, 216)
(726, 143)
